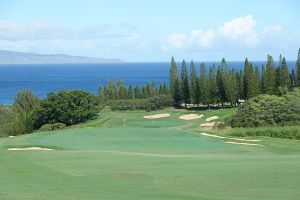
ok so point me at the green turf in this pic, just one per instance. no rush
(103, 159)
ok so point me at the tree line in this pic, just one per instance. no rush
(222, 85)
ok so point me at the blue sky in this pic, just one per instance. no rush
(137, 30)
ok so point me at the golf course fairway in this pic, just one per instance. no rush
(137, 163)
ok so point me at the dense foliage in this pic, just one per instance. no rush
(269, 110)
(5, 120)
(68, 107)
(23, 106)
(149, 104)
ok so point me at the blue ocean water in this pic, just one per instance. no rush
(42, 79)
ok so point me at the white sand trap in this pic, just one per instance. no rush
(210, 124)
(30, 149)
(190, 117)
(212, 118)
(157, 116)
(11, 136)
(222, 137)
(243, 143)
(210, 135)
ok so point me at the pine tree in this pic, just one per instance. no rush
(240, 82)
(298, 69)
(256, 83)
(177, 96)
(231, 86)
(263, 80)
(251, 80)
(203, 85)
(222, 69)
(185, 89)
(270, 76)
(293, 78)
(193, 84)
(173, 75)
(130, 94)
(212, 87)
(160, 90)
(165, 89)
(284, 77)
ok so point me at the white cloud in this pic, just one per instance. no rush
(241, 29)
(197, 38)
(45, 37)
(174, 41)
(203, 38)
(272, 30)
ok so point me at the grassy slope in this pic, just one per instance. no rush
(143, 160)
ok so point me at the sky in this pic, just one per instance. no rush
(153, 31)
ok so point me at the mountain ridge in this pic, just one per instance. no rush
(15, 57)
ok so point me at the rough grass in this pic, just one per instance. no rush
(286, 132)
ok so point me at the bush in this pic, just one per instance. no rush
(268, 110)
(52, 127)
(68, 107)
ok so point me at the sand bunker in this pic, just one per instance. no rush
(243, 143)
(222, 137)
(210, 124)
(190, 116)
(212, 118)
(157, 116)
(11, 136)
(29, 149)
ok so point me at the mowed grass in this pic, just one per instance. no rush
(164, 159)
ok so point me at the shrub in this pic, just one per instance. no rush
(268, 110)
(68, 107)
(52, 127)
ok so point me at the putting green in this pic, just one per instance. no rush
(146, 163)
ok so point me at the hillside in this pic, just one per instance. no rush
(11, 57)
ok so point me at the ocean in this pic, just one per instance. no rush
(42, 79)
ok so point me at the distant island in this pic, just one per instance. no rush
(12, 57)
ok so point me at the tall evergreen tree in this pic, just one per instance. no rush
(270, 76)
(203, 85)
(257, 81)
(284, 77)
(251, 82)
(298, 69)
(240, 82)
(212, 87)
(193, 84)
(263, 80)
(231, 86)
(293, 78)
(185, 89)
(222, 69)
(173, 75)
(177, 96)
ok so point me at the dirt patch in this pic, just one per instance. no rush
(210, 124)
(244, 143)
(30, 149)
(157, 116)
(190, 116)
(212, 118)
